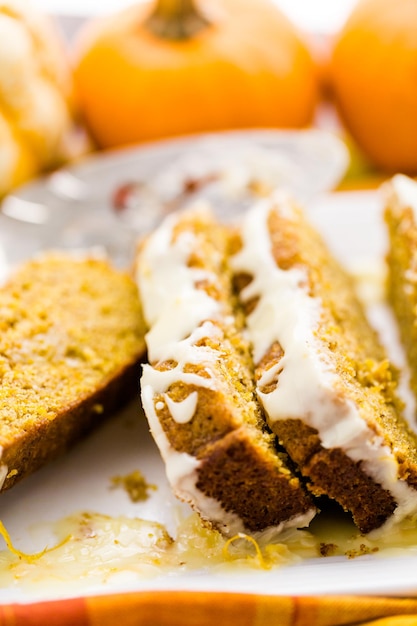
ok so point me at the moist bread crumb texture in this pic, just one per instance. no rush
(71, 336)
(265, 380)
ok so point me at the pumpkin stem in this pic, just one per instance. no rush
(176, 19)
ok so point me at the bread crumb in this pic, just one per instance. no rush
(134, 484)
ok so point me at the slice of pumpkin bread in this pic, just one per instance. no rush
(198, 390)
(71, 337)
(325, 383)
(400, 215)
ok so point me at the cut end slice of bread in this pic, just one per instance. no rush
(71, 338)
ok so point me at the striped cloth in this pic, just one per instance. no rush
(169, 608)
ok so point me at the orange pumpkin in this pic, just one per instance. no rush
(374, 78)
(176, 67)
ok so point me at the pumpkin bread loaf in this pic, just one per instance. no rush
(401, 220)
(291, 347)
(322, 377)
(198, 390)
(71, 336)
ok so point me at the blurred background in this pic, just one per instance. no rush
(83, 75)
(319, 16)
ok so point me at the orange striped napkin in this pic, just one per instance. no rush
(170, 608)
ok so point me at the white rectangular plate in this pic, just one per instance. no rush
(81, 481)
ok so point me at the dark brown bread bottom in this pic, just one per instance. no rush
(332, 473)
(247, 482)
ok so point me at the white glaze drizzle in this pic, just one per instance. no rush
(307, 389)
(182, 412)
(179, 315)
